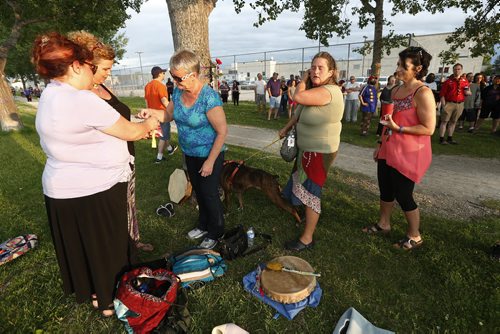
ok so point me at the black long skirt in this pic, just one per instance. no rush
(92, 242)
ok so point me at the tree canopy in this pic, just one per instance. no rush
(324, 18)
(22, 20)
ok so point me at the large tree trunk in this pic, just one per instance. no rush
(189, 21)
(377, 37)
(9, 118)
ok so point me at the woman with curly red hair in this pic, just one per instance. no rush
(86, 173)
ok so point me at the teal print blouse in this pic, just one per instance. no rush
(196, 134)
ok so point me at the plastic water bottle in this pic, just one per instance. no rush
(250, 237)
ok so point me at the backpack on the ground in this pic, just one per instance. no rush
(197, 266)
(143, 298)
(234, 243)
(178, 318)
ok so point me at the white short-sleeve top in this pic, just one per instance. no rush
(81, 159)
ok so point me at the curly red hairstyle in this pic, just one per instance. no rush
(53, 53)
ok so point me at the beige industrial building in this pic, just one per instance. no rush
(349, 62)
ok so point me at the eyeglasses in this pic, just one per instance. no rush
(93, 67)
(179, 79)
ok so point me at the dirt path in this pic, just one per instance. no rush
(454, 185)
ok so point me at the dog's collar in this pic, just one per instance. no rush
(240, 163)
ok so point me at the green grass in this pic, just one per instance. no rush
(448, 286)
(481, 145)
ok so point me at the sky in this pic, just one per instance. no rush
(230, 33)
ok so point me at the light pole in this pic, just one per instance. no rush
(140, 63)
(409, 38)
(363, 64)
(319, 39)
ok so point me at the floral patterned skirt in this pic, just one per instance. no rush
(133, 226)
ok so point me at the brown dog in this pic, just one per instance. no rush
(248, 177)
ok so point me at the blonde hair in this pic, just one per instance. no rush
(87, 40)
(186, 60)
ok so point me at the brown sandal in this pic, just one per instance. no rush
(408, 244)
(375, 229)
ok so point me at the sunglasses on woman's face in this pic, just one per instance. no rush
(179, 79)
(93, 67)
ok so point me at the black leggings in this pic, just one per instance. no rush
(211, 217)
(394, 185)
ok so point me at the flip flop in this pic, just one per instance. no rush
(408, 244)
(170, 207)
(166, 210)
(144, 247)
(375, 229)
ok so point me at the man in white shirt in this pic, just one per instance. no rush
(260, 93)
(352, 89)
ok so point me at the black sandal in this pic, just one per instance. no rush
(111, 308)
(95, 303)
(166, 210)
(375, 229)
(298, 246)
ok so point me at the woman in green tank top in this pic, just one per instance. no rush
(318, 122)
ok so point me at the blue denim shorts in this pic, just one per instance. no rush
(274, 101)
(165, 130)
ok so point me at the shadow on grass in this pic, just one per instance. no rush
(449, 285)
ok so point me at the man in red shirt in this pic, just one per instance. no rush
(452, 94)
(156, 96)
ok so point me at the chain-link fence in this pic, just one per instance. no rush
(130, 81)
(245, 67)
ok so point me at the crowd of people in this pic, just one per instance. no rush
(459, 98)
(88, 138)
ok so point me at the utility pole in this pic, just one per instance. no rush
(140, 63)
(409, 38)
(363, 64)
(319, 40)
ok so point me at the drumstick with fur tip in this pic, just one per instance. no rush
(275, 266)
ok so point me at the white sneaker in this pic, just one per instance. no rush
(208, 243)
(196, 233)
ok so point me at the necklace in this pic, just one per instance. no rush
(96, 86)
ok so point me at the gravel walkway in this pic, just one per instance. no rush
(455, 186)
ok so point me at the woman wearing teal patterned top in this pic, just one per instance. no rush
(202, 129)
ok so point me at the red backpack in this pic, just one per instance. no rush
(143, 298)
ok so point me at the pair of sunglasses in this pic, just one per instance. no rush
(178, 79)
(93, 67)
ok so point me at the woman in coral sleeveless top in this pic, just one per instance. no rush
(404, 152)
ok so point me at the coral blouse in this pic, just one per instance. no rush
(409, 154)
